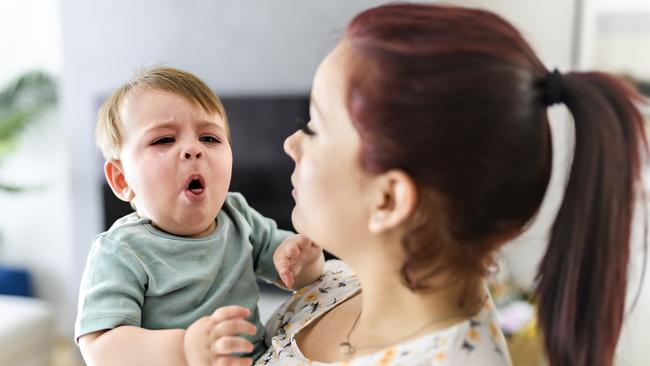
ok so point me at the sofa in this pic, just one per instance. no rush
(26, 331)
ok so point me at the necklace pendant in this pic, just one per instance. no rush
(346, 348)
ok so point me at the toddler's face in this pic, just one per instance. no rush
(176, 160)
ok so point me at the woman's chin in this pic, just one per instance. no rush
(295, 220)
(298, 222)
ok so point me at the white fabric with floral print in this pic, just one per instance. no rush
(476, 341)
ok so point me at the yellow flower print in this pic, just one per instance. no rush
(302, 290)
(440, 356)
(473, 335)
(311, 297)
(443, 342)
(487, 305)
(497, 290)
(387, 357)
(286, 328)
(494, 331)
(305, 321)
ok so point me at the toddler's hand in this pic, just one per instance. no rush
(212, 339)
(293, 255)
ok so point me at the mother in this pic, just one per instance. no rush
(429, 148)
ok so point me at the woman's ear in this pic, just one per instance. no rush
(116, 180)
(394, 202)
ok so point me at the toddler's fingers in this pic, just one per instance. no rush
(296, 269)
(232, 327)
(229, 312)
(287, 277)
(229, 345)
(292, 250)
(311, 246)
(232, 361)
(282, 263)
(283, 266)
(301, 242)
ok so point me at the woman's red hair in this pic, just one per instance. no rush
(455, 97)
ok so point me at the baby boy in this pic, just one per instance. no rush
(175, 281)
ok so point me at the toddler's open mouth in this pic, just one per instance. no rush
(195, 188)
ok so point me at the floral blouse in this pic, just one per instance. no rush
(476, 341)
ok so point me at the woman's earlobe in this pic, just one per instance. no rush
(377, 222)
(396, 202)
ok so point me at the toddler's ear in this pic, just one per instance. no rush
(117, 182)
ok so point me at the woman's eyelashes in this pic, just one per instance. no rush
(304, 127)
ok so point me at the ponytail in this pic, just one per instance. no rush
(582, 279)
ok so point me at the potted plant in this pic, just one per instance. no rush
(20, 103)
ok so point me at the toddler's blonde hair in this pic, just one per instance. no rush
(181, 83)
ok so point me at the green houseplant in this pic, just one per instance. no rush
(21, 102)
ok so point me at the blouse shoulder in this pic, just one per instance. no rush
(336, 284)
(337, 268)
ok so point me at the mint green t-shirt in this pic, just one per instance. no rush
(138, 275)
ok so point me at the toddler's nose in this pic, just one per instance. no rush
(191, 153)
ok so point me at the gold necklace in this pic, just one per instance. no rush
(348, 349)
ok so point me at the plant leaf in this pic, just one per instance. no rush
(20, 103)
(11, 188)
(13, 123)
(30, 89)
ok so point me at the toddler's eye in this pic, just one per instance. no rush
(210, 139)
(163, 140)
(304, 127)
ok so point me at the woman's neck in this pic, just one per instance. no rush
(389, 310)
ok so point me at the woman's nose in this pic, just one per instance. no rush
(291, 146)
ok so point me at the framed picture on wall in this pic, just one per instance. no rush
(614, 36)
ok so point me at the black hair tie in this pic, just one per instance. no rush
(553, 91)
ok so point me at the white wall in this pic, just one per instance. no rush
(243, 46)
(30, 35)
(547, 25)
(247, 46)
(236, 47)
(34, 226)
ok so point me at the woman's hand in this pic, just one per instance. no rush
(211, 340)
(298, 261)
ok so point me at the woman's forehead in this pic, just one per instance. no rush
(329, 82)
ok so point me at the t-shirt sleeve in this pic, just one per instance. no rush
(264, 236)
(112, 288)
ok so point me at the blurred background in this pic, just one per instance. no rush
(61, 58)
